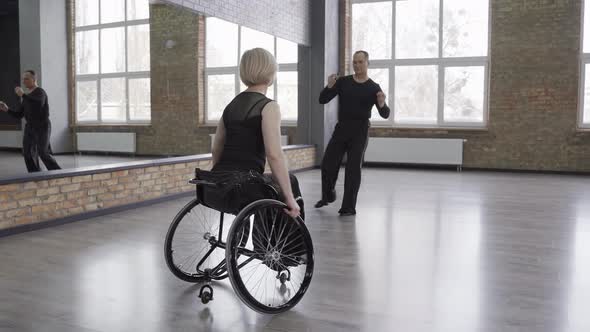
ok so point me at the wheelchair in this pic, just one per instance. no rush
(266, 254)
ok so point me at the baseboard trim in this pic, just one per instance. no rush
(10, 149)
(471, 169)
(304, 169)
(374, 164)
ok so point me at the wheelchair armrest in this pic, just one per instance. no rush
(203, 182)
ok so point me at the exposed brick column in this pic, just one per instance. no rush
(345, 35)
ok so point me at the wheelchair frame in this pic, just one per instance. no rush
(220, 271)
(239, 234)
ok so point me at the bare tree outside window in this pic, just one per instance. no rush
(439, 63)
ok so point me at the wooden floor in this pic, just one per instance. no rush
(428, 251)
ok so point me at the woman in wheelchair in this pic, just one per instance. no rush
(268, 252)
(250, 130)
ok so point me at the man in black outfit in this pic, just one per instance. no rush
(358, 93)
(34, 108)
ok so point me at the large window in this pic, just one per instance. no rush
(225, 42)
(585, 66)
(112, 54)
(429, 56)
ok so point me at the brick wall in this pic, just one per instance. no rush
(288, 19)
(345, 7)
(534, 80)
(37, 201)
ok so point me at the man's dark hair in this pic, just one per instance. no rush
(32, 72)
(365, 53)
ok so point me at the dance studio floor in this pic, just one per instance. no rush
(428, 251)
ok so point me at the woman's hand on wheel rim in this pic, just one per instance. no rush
(293, 208)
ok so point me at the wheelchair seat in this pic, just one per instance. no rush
(230, 191)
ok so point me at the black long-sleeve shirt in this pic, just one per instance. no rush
(356, 99)
(34, 107)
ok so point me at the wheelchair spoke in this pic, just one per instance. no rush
(190, 256)
(267, 233)
(274, 296)
(190, 251)
(258, 287)
(292, 241)
(194, 257)
(255, 270)
(286, 238)
(256, 237)
(282, 230)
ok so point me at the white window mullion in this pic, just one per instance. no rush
(582, 94)
(221, 71)
(275, 86)
(392, 67)
(584, 60)
(433, 61)
(441, 94)
(206, 95)
(486, 95)
(111, 25)
(441, 69)
(288, 67)
(98, 79)
(127, 109)
(237, 68)
(127, 106)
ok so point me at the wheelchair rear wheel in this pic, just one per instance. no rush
(270, 271)
(191, 248)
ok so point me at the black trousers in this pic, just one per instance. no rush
(294, 188)
(350, 138)
(36, 145)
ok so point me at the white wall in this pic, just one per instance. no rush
(54, 64)
(43, 48)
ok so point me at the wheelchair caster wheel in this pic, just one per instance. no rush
(206, 294)
(284, 276)
(206, 297)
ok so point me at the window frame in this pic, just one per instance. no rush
(235, 70)
(127, 75)
(442, 63)
(584, 60)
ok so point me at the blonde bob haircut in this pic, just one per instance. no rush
(257, 67)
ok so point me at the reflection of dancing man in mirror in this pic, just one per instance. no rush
(358, 93)
(34, 107)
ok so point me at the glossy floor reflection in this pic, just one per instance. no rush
(12, 163)
(427, 251)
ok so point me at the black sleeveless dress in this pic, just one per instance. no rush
(244, 151)
(244, 145)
